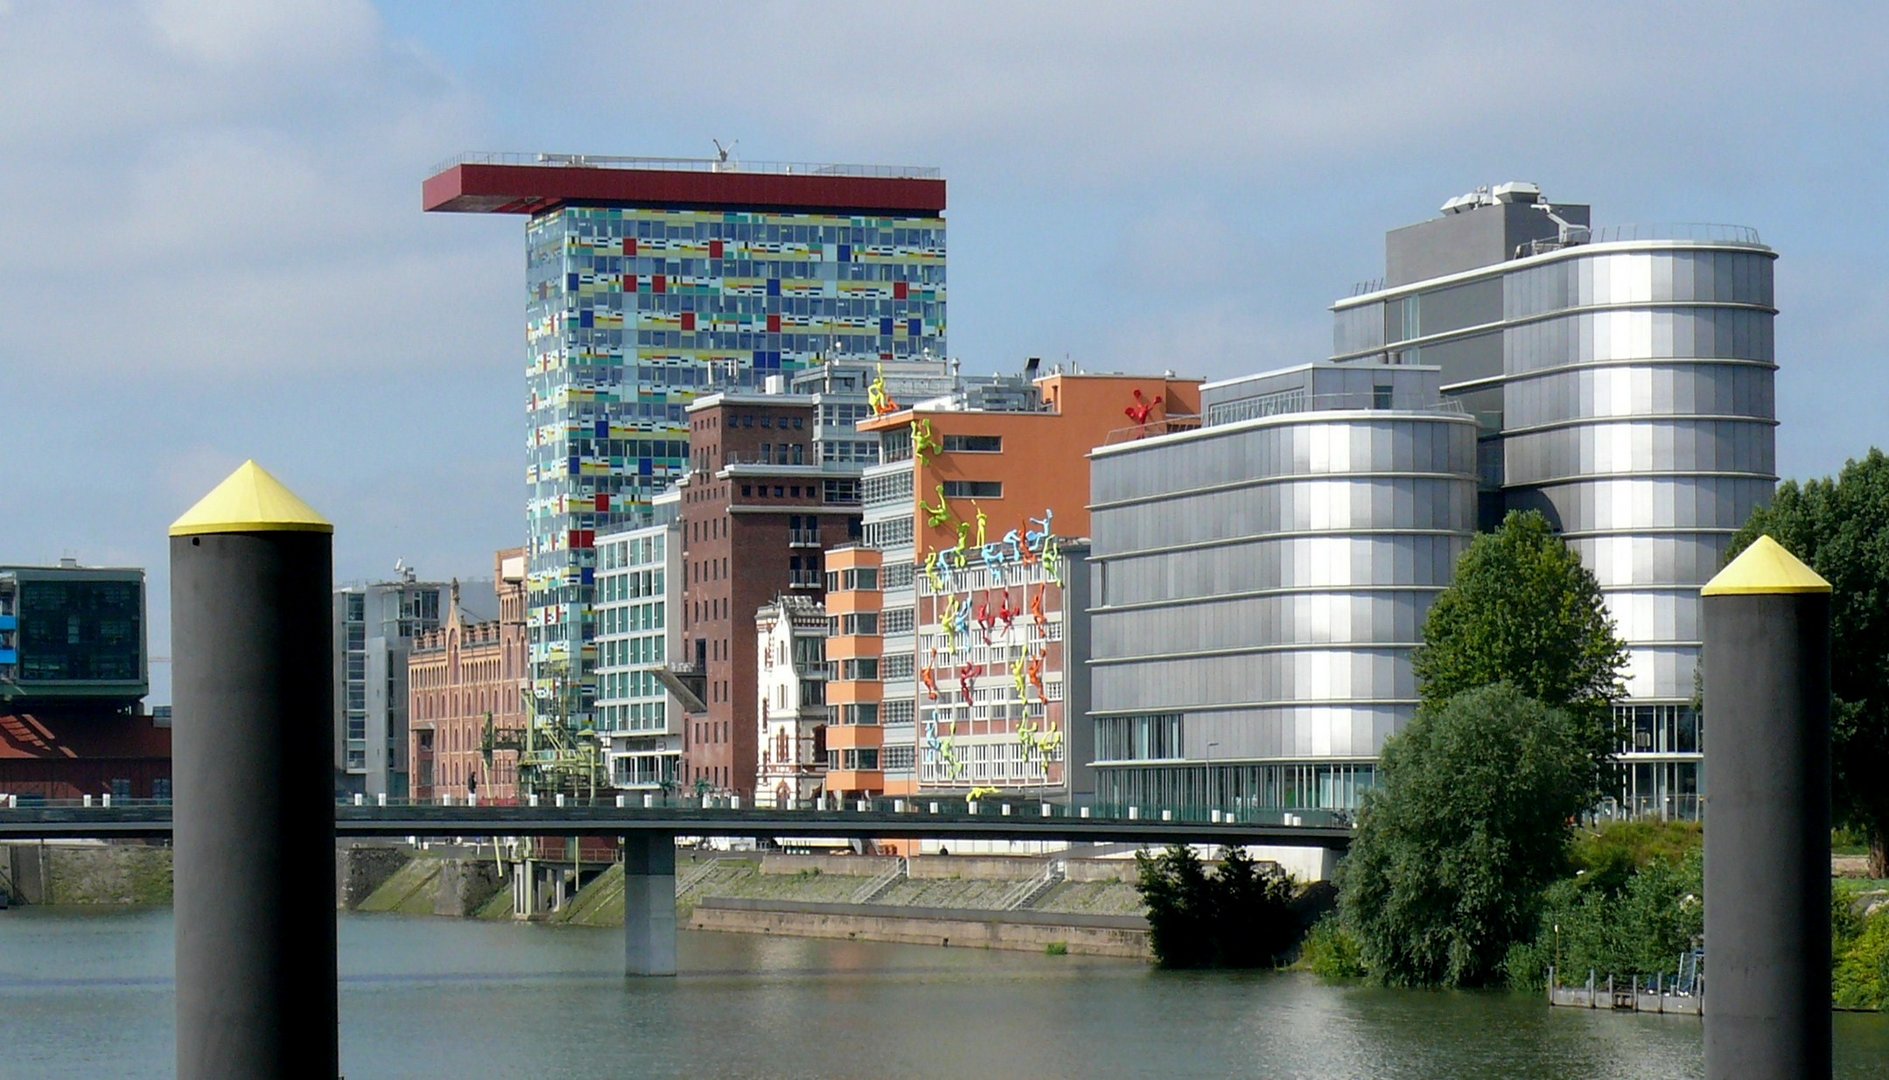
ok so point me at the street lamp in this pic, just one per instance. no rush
(1212, 803)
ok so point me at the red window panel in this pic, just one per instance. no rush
(688, 320)
(899, 290)
(658, 284)
(773, 324)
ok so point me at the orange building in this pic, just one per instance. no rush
(460, 678)
(968, 676)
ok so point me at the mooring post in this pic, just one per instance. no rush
(649, 904)
(253, 762)
(1767, 837)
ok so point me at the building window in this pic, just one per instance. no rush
(973, 489)
(974, 444)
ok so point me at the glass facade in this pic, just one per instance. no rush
(632, 312)
(1633, 405)
(1259, 587)
(638, 634)
(72, 633)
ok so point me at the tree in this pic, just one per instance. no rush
(1523, 610)
(1840, 527)
(1241, 916)
(1468, 824)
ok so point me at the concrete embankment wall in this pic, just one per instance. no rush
(86, 872)
(1031, 931)
(436, 885)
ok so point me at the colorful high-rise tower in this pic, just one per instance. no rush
(650, 281)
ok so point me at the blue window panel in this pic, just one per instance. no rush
(645, 467)
(587, 576)
(586, 318)
(915, 327)
(885, 327)
(570, 282)
(603, 429)
(773, 286)
(573, 466)
(846, 253)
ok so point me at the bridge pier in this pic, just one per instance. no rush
(649, 904)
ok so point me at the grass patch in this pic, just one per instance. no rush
(1056, 948)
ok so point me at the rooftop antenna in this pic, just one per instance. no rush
(724, 154)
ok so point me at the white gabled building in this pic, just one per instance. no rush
(791, 637)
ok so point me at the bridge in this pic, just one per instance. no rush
(1049, 822)
(649, 832)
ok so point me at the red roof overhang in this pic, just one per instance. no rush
(532, 189)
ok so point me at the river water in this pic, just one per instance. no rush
(89, 994)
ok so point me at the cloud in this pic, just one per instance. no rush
(228, 189)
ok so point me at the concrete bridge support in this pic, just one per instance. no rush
(649, 904)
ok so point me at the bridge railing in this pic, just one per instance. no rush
(1000, 805)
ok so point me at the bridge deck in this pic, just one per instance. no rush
(130, 822)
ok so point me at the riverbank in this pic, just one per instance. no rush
(1079, 906)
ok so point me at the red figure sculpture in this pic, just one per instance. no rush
(930, 679)
(1141, 410)
(965, 675)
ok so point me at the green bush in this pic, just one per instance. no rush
(1056, 948)
(1239, 917)
(1469, 823)
(1861, 954)
(1609, 854)
(1637, 925)
(1331, 950)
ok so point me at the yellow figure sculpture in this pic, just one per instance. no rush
(1023, 684)
(936, 516)
(931, 571)
(983, 519)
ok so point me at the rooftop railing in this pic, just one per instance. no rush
(702, 165)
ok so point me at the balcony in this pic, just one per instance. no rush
(803, 538)
(803, 579)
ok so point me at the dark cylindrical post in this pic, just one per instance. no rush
(253, 783)
(1767, 830)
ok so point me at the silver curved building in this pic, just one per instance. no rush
(1623, 378)
(1260, 583)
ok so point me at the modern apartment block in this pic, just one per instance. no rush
(73, 675)
(72, 635)
(374, 627)
(467, 685)
(1260, 583)
(790, 638)
(650, 281)
(1623, 380)
(756, 512)
(639, 630)
(955, 670)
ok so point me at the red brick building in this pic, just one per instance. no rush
(68, 755)
(459, 675)
(758, 509)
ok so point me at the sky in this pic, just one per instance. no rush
(211, 244)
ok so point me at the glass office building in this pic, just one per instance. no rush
(1260, 584)
(652, 281)
(72, 635)
(1623, 380)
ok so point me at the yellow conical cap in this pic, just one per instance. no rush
(1765, 567)
(250, 500)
